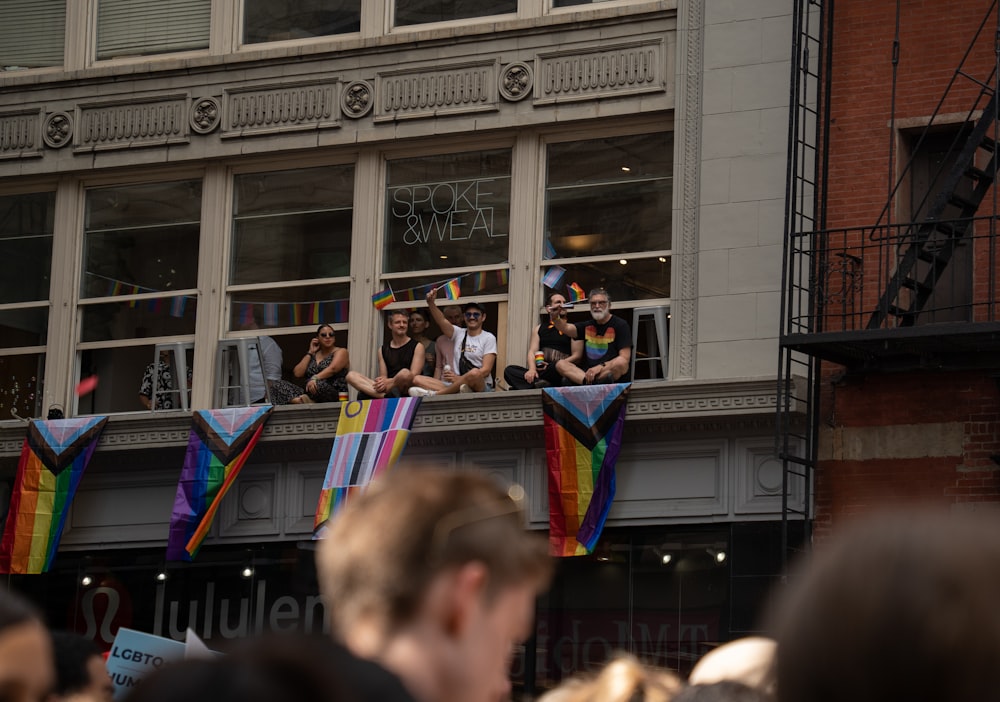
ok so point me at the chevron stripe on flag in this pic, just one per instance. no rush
(221, 441)
(371, 436)
(583, 433)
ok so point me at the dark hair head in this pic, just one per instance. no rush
(72, 653)
(902, 606)
(323, 326)
(395, 313)
(15, 610)
(473, 306)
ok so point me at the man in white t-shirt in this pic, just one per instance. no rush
(475, 344)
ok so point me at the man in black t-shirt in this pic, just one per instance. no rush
(602, 344)
(399, 360)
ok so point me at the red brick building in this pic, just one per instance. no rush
(891, 321)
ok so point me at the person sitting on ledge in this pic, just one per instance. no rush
(551, 343)
(605, 340)
(326, 366)
(475, 354)
(399, 360)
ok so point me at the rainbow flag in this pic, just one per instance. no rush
(502, 276)
(54, 456)
(220, 443)
(479, 281)
(583, 432)
(341, 311)
(452, 290)
(383, 299)
(371, 435)
(576, 293)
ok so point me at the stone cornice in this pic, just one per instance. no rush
(730, 406)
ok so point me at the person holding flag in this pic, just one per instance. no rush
(604, 343)
(475, 353)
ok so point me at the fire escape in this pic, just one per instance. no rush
(888, 296)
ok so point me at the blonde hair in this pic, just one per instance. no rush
(383, 551)
(623, 679)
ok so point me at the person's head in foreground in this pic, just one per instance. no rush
(623, 679)
(27, 673)
(432, 574)
(81, 673)
(902, 606)
(749, 660)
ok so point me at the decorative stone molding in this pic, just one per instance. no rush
(271, 109)
(626, 69)
(206, 113)
(20, 133)
(57, 131)
(503, 418)
(516, 81)
(124, 124)
(455, 89)
(357, 99)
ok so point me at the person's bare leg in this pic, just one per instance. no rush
(362, 383)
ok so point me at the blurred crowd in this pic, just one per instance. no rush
(430, 580)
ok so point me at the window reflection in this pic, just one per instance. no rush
(278, 20)
(421, 11)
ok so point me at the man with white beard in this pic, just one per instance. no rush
(603, 344)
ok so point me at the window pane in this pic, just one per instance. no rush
(290, 307)
(570, 3)
(448, 211)
(141, 239)
(143, 27)
(293, 225)
(137, 319)
(32, 33)
(24, 327)
(277, 20)
(421, 11)
(122, 372)
(20, 386)
(636, 279)
(26, 246)
(609, 196)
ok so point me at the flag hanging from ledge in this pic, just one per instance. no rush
(371, 436)
(220, 443)
(54, 456)
(583, 432)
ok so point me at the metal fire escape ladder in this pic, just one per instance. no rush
(798, 374)
(928, 245)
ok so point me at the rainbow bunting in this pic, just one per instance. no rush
(479, 281)
(383, 299)
(54, 456)
(316, 315)
(371, 435)
(270, 314)
(220, 443)
(177, 306)
(341, 311)
(246, 313)
(552, 276)
(502, 276)
(576, 293)
(583, 432)
(452, 290)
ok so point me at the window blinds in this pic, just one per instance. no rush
(32, 33)
(141, 27)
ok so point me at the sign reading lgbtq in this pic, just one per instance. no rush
(455, 210)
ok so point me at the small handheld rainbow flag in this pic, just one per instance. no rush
(383, 299)
(452, 290)
(576, 293)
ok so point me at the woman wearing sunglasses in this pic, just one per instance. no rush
(325, 366)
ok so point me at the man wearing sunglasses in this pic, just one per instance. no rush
(475, 354)
(604, 342)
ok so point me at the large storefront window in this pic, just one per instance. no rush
(608, 214)
(421, 11)
(279, 20)
(448, 217)
(32, 33)
(290, 260)
(26, 223)
(138, 288)
(145, 27)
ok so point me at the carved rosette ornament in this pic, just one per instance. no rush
(57, 131)
(205, 115)
(356, 100)
(516, 81)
